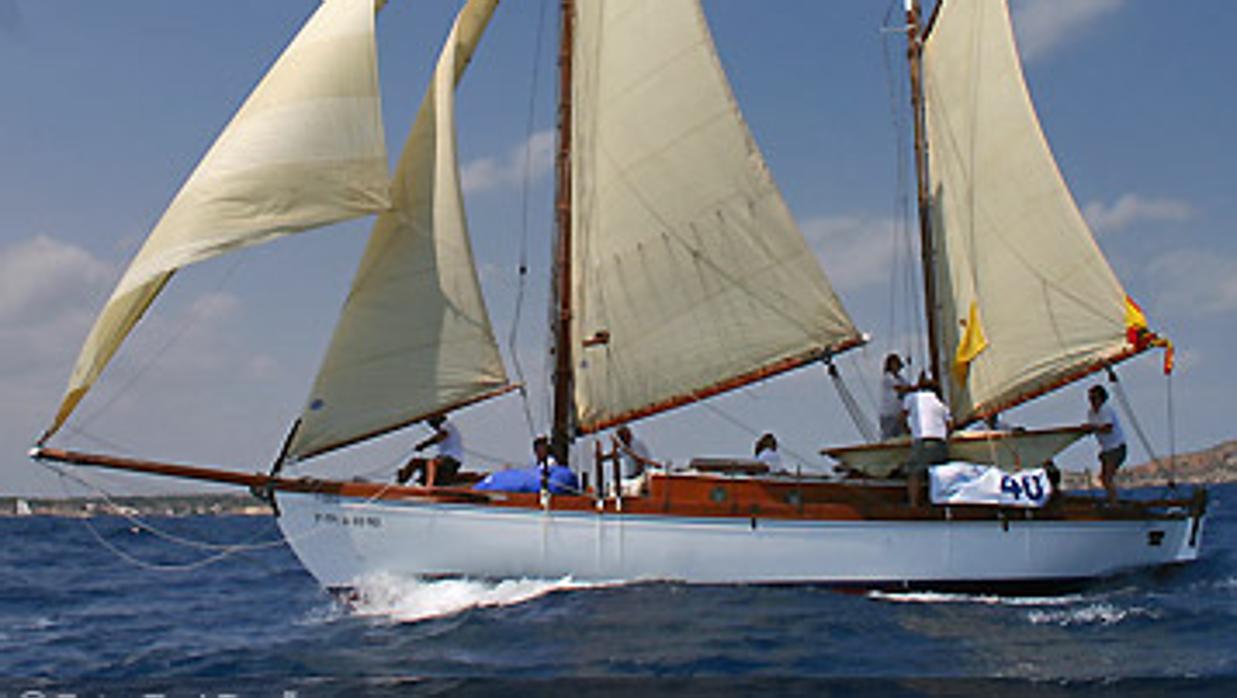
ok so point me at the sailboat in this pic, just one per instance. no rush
(680, 274)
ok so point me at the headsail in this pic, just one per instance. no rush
(414, 337)
(690, 276)
(1025, 298)
(304, 150)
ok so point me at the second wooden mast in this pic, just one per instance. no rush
(561, 430)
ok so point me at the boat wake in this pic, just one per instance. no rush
(1090, 614)
(1064, 611)
(410, 599)
(929, 597)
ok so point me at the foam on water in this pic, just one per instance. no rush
(408, 600)
(983, 599)
(1090, 614)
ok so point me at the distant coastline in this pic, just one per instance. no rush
(1211, 466)
(1214, 465)
(156, 505)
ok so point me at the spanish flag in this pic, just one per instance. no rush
(971, 345)
(1138, 334)
(1135, 324)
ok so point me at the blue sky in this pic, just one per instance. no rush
(109, 105)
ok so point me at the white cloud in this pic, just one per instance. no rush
(1131, 209)
(532, 158)
(49, 292)
(1044, 25)
(41, 278)
(1196, 282)
(856, 251)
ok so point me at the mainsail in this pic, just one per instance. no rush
(304, 150)
(414, 337)
(689, 274)
(1025, 298)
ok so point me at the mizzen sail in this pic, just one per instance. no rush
(1025, 298)
(304, 150)
(689, 274)
(414, 337)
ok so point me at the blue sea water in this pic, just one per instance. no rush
(96, 606)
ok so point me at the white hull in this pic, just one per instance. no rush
(342, 541)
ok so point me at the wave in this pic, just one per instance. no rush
(929, 597)
(1090, 614)
(410, 600)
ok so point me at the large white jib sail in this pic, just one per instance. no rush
(414, 337)
(304, 150)
(689, 274)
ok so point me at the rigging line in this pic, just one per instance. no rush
(1129, 412)
(188, 322)
(120, 510)
(735, 421)
(899, 203)
(157, 567)
(860, 420)
(858, 370)
(513, 335)
(1172, 432)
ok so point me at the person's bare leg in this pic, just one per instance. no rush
(1108, 474)
(914, 487)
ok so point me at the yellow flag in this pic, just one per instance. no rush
(1135, 321)
(972, 344)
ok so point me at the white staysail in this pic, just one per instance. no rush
(414, 337)
(1026, 299)
(304, 150)
(690, 277)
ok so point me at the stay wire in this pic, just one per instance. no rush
(522, 283)
(182, 329)
(1171, 416)
(735, 421)
(1129, 412)
(852, 406)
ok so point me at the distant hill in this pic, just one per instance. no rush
(1213, 465)
(1209, 466)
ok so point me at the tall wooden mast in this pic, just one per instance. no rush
(560, 434)
(914, 54)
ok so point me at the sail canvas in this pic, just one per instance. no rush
(686, 258)
(1025, 297)
(414, 337)
(304, 150)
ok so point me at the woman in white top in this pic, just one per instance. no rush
(893, 388)
(766, 452)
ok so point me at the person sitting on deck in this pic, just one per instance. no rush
(543, 472)
(766, 452)
(631, 453)
(442, 468)
(929, 422)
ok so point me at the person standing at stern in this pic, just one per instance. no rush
(1102, 421)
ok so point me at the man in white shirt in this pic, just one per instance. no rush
(441, 469)
(1103, 422)
(633, 456)
(929, 422)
